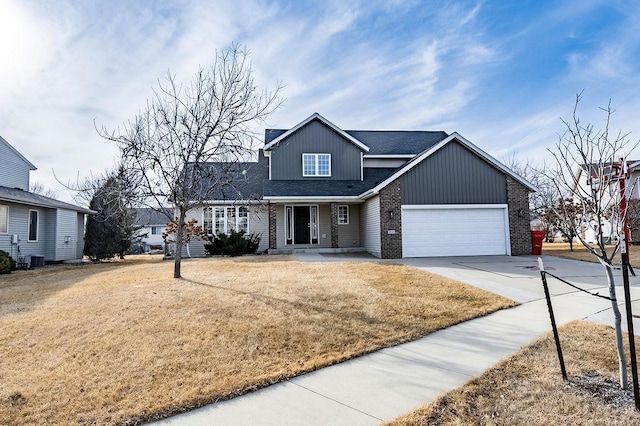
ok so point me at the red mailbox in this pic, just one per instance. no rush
(536, 242)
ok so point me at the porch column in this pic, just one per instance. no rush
(334, 225)
(272, 227)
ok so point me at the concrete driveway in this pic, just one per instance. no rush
(385, 384)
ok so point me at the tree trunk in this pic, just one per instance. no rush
(570, 244)
(177, 259)
(622, 362)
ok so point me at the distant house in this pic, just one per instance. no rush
(34, 228)
(393, 194)
(151, 224)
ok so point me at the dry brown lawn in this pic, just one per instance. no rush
(122, 343)
(581, 253)
(527, 388)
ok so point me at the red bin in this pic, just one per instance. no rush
(536, 242)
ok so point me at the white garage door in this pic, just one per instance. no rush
(454, 230)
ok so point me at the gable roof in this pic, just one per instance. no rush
(394, 142)
(315, 116)
(15, 151)
(427, 153)
(240, 181)
(19, 196)
(150, 217)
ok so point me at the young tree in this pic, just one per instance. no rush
(593, 152)
(171, 144)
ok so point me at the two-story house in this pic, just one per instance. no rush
(393, 194)
(34, 228)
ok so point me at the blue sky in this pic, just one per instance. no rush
(501, 73)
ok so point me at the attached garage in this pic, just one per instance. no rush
(455, 230)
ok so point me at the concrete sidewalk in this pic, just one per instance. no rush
(383, 385)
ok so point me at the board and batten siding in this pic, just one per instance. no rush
(14, 172)
(453, 175)
(315, 138)
(349, 235)
(370, 218)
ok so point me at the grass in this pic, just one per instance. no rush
(527, 388)
(123, 343)
(581, 253)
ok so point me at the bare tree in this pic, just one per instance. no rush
(180, 145)
(40, 189)
(594, 153)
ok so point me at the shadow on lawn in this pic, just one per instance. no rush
(21, 291)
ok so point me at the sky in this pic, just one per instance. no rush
(500, 73)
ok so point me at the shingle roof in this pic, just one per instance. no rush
(19, 196)
(150, 217)
(384, 142)
(326, 188)
(238, 181)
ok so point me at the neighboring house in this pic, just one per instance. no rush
(33, 227)
(151, 224)
(393, 194)
(587, 175)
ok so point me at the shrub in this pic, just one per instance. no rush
(234, 244)
(7, 264)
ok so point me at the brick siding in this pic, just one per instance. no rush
(334, 225)
(391, 221)
(519, 220)
(273, 244)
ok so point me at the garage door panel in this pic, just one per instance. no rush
(453, 232)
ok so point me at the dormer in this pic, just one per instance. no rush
(14, 167)
(315, 149)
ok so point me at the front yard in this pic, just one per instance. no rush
(123, 342)
(581, 253)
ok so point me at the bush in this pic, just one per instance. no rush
(7, 264)
(234, 244)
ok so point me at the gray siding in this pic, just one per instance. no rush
(49, 221)
(454, 175)
(66, 238)
(349, 235)
(14, 172)
(315, 138)
(386, 163)
(19, 224)
(370, 218)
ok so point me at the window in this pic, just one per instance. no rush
(4, 219)
(316, 165)
(343, 215)
(156, 230)
(33, 225)
(224, 219)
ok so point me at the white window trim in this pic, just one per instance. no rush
(343, 206)
(29, 226)
(316, 157)
(226, 229)
(7, 219)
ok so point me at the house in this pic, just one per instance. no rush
(604, 176)
(34, 228)
(393, 194)
(150, 224)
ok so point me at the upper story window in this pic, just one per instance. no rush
(4, 219)
(316, 165)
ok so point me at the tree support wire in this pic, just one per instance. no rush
(625, 277)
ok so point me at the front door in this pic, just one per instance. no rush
(302, 225)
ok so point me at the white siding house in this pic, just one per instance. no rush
(34, 228)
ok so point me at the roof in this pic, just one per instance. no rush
(238, 180)
(149, 217)
(325, 187)
(381, 142)
(19, 196)
(28, 163)
(315, 116)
